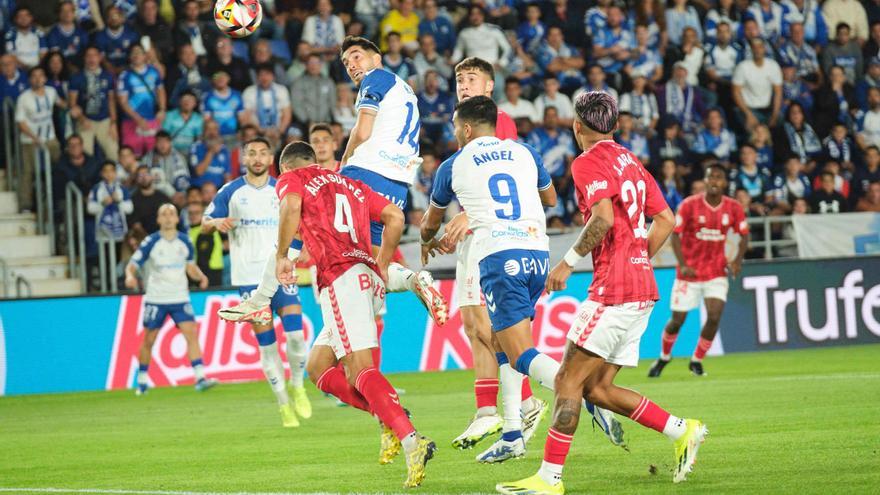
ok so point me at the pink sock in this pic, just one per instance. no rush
(649, 414)
(383, 401)
(703, 346)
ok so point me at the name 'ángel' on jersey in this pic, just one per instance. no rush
(496, 183)
(394, 141)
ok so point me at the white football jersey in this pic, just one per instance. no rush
(497, 184)
(163, 262)
(395, 138)
(253, 239)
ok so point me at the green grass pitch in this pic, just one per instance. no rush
(780, 422)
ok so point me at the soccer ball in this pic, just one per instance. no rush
(238, 18)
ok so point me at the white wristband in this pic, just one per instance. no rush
(292, 253)
(572, 258)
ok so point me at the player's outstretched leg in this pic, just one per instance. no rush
(667, 341)
(512, 442)
(402, 279)
(188, 329)
(255, 309)
(144, 354)
(714, 308)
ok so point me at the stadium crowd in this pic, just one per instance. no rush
(142, 102)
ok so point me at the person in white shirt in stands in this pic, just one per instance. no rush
(482, 40)
(23, 41)
(515, 106)
(33, 114)
(757, 88)
(324, 31)
(169, 257)
(551, 97)
(267, 105)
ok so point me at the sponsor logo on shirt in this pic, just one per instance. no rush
(711, 235)
(640, 260)
(596, 186)
(512, 232)
(357, 253)
(511, 267)
(258, 222)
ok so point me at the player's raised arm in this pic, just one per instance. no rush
(361, 57)
(288, 225)
(362, 130)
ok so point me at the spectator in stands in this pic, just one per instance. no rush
(642, 105)
(169, 168)
(435, 109)
(109, 203)
(223, 105)
(57, 76)
(757, 88)
(751, 32)
(208, 247)
(67, 37)
(312, 95)
(209, 158)
(724, 12)
(761, 139)
(324, 31)
(595, 82)
(515, 106)
(554, 143)
(428, 58)
(209, 191)
(669, 145)
(115, 41)
(808, 14)
(75, 167)
(612, 44)
(871, 200)
(530, 33)
(644, 60)
(126, 168)
(344, 111)
(141, 97)
(799, 136)
(631, 139)
(33, 114)
(439, 26)
(405, 22)
(24, 41)
(681, 100)
(871, 49)
(562, 60)
(714, 141)
(671, 184)
(394, 60)
(13, 81)
(185, 124)
(482, 40)
(552, 97)
(866, 173)
(679, 16)
(149, 24)
(692, 56)
(596, 17)
(871, 79)
(521, 65)
(826, 199)
(92, 101)
(423, 185)
(868, 124)
(791, 185)
(755, 180)
(833, 102)
(794, 89)
(839, 147)
(261, 54)
(190, 30)
(845, 52)
(849, 12)
(769, 16)
(370, 13)
(185, 75)
(146, 200)
(236, 68)
(267, 105)
(797, 52)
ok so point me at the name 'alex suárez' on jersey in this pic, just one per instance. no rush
(486, 176)
(394, 141)
(253, 239)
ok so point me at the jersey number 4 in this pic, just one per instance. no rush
(342, 219)
(634, 194)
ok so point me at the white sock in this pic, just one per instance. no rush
(199, 372)
(511, 396)
(273, 368)
(486, 411)
(268, 284)
(551, 473)
(665, 357)
(409, 442)
(543, 368)
(400, 278)
(675, 428)
(296, 357)
(142, 378)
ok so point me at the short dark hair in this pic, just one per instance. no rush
(842, 25)
(478, 64)
(193, 188)
(163, 134)
(34, 69)
(827, 173)
(872, 147)
(297, 150)
(266, 68)
(258, 139)
(392, 33)
(511, 80)
(748, 145)
(108, 163)
(320, 126)
(716, 166)
(362, 42)
(479, 110)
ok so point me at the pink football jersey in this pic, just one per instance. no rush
(703, 231)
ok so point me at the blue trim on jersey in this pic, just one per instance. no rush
(512, 281)
(284, 296)
(190, 256)
(219, 207)
(442, 193)
(374, 87)
(544, 180)
(155, 314)
(392, 190)
(143, 253)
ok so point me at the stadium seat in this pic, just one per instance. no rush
(281, 49)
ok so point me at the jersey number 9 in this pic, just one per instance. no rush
(509, 196)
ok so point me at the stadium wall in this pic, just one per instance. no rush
(90, 343)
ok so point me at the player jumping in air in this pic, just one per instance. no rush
(334, 216)
(476, 77)
(615, 193)
(167, 257)
(698, 240)
(247, 210)
(503, 187)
